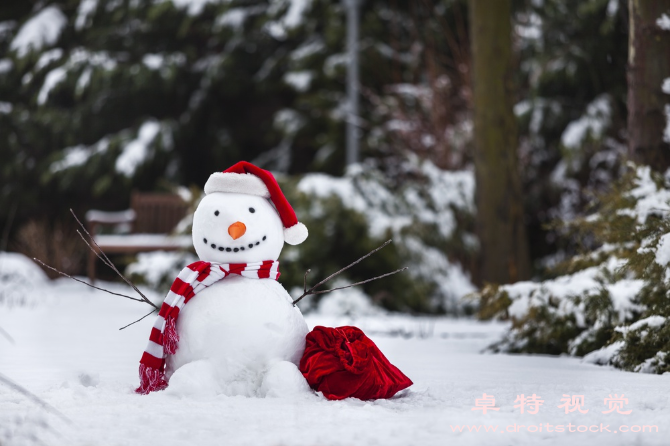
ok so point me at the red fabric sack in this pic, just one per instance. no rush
(342, 362)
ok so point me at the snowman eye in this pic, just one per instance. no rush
(252, 210)
(216, 213)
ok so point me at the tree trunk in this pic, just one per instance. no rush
(648, 66)
(500, 216)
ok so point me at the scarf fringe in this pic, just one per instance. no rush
(151, 380)
(170, 336)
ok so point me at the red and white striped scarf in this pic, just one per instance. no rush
(190, 281)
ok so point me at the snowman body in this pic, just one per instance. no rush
(242, 326)
(239, 330)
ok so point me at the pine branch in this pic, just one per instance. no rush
(313, 291)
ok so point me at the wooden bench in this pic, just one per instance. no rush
(147, 226)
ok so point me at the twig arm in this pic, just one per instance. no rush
(110, 264)
(85, 283)
(312, 292)
(133, 323)
(304, 282)
(350, 265)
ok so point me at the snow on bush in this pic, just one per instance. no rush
(432, 202)
(19, 276)
(610, 301)
(136, 151)
(429, 217)
(158, 269)
(40, 30)
(663, 22)
(351, 302)
(593, 123)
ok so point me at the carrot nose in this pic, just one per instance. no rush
(237, 230)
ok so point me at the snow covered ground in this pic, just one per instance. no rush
(67, 349)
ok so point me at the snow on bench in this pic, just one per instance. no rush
(142, 242)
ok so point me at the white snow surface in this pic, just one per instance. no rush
(69, 352)
(19, 277)
(527, 295)
(40, 30)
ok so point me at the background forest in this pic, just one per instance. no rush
(497, 145)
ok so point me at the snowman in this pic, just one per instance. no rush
(227, 326)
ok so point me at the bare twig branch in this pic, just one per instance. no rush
(312, 291)
(109, 262)
(46, 406)
(350, 285)
(350, 265)
(93, 249)
(304, 282)
(361, 282)
(85, 283)
(7, 335)
(133, 323)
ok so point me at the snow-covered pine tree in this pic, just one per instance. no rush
(572, 112)
(102, 97)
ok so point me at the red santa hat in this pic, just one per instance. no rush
(245, 178)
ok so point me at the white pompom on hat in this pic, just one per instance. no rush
(245, 178)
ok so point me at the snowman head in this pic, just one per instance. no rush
(244, 217)
(237, 228)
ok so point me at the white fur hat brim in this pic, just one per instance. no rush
(238, 183)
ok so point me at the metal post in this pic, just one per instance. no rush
(353, 8)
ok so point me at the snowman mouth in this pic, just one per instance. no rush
(247, 247)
